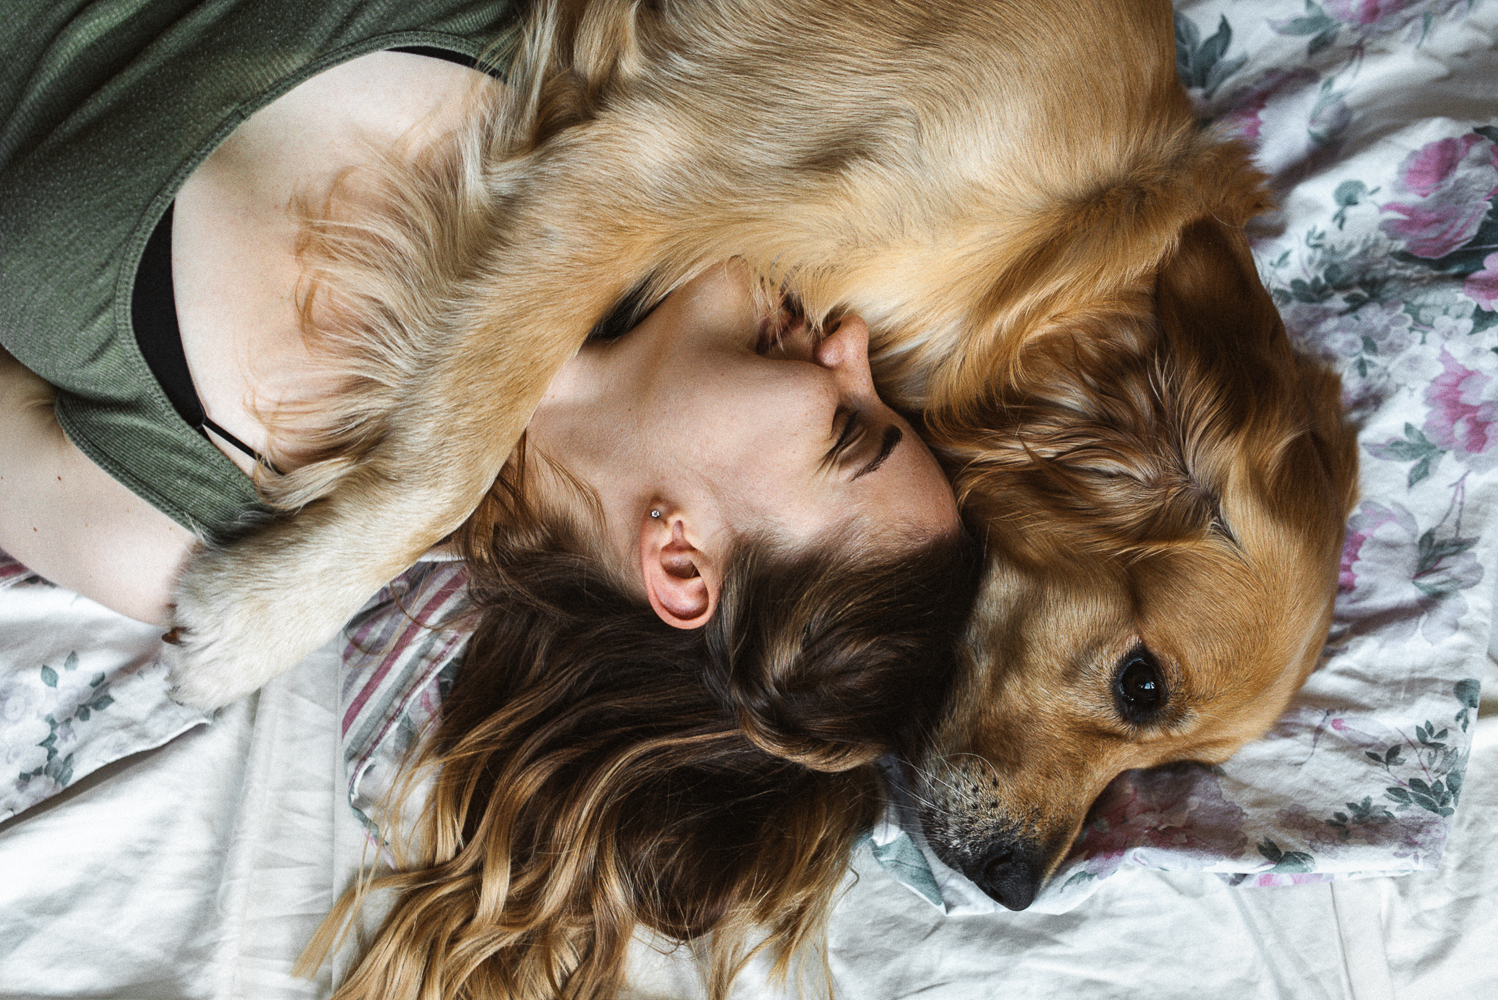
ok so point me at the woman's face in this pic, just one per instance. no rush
(788, 435)
(712, 422)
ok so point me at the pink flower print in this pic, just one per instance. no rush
(1385, 327)
(1347, 580)
(1178, 809)
(1427, 168)
(1463, 408)
(1482, 287)
(1454, 179)
(1315, 833)
(1276, 880)
(1364, 12)
(1288, 116)
(1245, 115)
(1245, 121)
(1405, 582)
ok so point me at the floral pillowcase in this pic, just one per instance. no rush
(80, 687)
(1384, 262)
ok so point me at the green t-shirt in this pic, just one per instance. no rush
(106, 107)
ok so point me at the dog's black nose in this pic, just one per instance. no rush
(1011, 874)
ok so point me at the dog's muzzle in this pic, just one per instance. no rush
(1005, 864)
(1010, 872)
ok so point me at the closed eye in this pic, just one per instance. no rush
(848, 436)
(892, 438)
(627, 313)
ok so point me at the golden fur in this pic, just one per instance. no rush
(959, 204)
(1016, 197)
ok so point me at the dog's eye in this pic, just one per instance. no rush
(1138, 687)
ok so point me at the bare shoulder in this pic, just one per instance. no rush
(235, 271)
(69, 520)
(236, 225)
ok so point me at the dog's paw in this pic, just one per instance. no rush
(234, 629)
(210, 675)
(188, 687)
(251, 610)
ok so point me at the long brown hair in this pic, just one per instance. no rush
(598, 771)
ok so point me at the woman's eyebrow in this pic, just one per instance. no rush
(892, 438)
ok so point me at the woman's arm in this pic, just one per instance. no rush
(69, 520)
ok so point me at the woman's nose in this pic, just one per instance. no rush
(845, 349)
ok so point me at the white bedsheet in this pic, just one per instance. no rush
(196, 872)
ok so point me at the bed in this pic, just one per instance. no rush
(147, 851)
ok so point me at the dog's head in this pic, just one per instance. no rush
(1163, 485)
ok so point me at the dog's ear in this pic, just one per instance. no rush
(1087, 455)
(573, 55)
(1118, 433)
(1228, 351)
(1093, 252)
(1218, 325)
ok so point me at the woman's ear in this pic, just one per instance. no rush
(681, 581)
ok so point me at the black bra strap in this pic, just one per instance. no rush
(432, 52)
(153, 314)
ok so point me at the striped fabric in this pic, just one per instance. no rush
(399, 661)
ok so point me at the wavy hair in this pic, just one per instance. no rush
(596, 771)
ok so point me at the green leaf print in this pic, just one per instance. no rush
(1200, 63)
(1467, 694)
(1363, 813)
(1415, 447)
(1286, 862)
(1350, 194)
(1316, 22)
(64, 733)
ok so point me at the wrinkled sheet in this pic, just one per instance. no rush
(1161, 935)
(197, 870)
(80, 687)
(155, 856)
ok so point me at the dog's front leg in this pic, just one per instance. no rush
(248, 610)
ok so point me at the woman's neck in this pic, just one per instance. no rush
(584, 421)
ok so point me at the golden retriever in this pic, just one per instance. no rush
(1017, 198)
(1164, 486)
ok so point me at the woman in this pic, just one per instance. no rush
(116, 117)
(715, 580)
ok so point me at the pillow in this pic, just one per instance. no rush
(80, 686)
